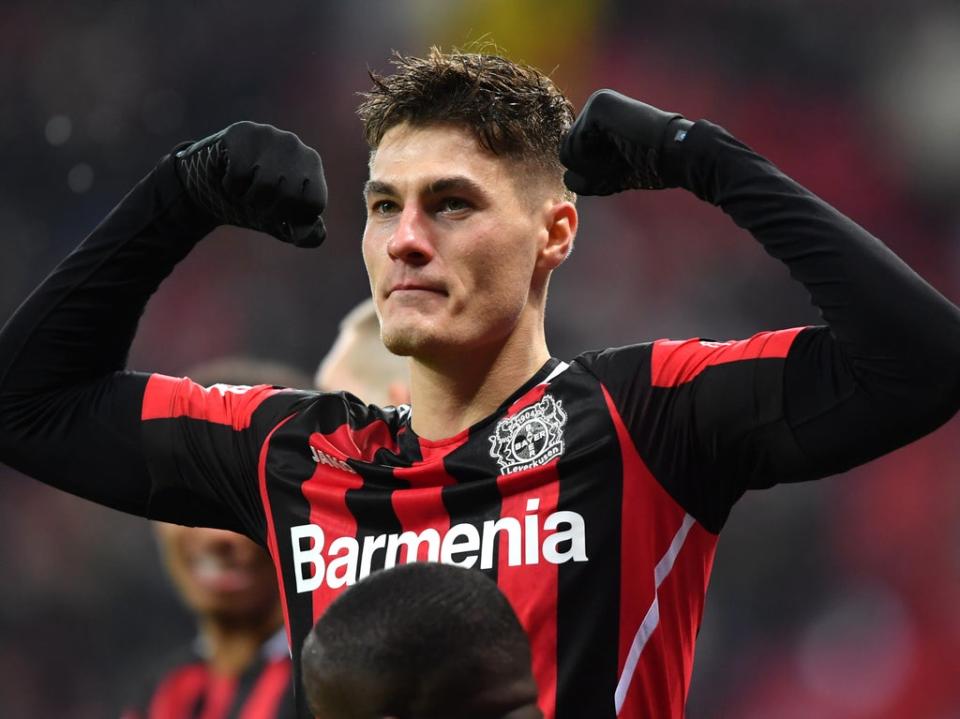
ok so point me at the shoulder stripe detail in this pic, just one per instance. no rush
(652, 618)
(675, 362)
(558, 370)
(232, 405)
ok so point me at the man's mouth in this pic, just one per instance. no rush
(214, 574)
(416, 287)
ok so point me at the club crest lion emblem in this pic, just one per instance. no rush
(530, 438)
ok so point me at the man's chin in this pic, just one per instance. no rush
(410, 342)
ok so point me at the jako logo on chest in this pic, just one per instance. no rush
(530, 438)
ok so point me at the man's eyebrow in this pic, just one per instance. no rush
(455, 183)
(375, 187)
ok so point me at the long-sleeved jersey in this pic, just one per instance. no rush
(593, 495)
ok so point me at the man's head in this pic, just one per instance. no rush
(359, 363)
(467, 213)
(224, 576)
(420, 641)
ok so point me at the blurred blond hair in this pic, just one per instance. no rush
(358, 362)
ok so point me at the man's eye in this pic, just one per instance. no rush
(383, 207)
(453, 204)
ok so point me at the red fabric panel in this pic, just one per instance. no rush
(675, 362)
(356, 443)
(219, 697)
(267, 694)
(681, 598)
(167, 397)
(418, 509)
(326, 493)
(179, 692)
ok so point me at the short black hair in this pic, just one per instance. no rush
(426, 634)
(513, 110)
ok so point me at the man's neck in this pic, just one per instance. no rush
(231, 646)
(449, 396)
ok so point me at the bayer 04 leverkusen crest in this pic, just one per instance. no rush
(530, 438)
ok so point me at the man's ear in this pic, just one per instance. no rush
(561, 226)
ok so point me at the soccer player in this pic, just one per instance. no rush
(592, 490)
(420, 640)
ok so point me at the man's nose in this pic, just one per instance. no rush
(411, 241)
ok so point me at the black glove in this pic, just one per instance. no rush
(257, 176)
(616, 144)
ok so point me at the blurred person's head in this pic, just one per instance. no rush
(224, 577)
(221, 576)
(420, 641)
(467, 213)
(358, 362)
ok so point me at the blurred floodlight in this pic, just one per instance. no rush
(920, 99)
(58, 129)
(80, 178)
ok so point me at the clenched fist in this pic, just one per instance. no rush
(616, 144)
(256, 176)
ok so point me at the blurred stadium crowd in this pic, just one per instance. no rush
(837, 599)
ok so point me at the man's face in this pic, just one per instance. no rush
(451, 245)
(218, 573)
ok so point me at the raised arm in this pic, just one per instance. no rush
(69, 413)
(883, 372)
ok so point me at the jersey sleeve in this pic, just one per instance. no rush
(713, 419)
(73, 417)
(204, 448)
(706, 417)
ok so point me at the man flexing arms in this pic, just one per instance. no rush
(592, 491)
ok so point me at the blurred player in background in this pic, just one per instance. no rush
(593, 490)
(420, 640)
(239, 666)
(358, 362)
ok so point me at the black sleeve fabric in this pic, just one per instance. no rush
(69, 413)
(884, 371)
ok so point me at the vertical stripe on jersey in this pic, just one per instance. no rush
(280, 559)
(421, 507)
(266, 695)
(218, 697)
(589, 592)
(180, 694)
(280, 503)
(659, 611)
(326, 493)
(528, 497)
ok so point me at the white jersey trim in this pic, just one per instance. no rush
(652, 618)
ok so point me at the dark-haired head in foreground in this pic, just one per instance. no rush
(420, 641)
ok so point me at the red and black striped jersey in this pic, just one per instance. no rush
(591, 496)
(186, 687)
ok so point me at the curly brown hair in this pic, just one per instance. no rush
(512, 109)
